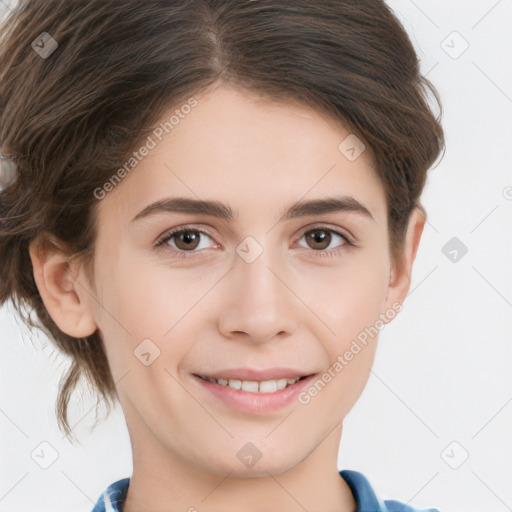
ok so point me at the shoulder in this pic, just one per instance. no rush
(368, 501)
(112, 498)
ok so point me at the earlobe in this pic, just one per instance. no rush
(66, 299)
(400, 275)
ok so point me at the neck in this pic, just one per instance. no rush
(163, 482)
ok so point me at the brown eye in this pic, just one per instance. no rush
(320, 239)
(185, 240)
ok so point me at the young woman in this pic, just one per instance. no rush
(213, 207)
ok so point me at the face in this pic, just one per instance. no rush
(258, 288)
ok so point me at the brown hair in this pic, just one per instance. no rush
(72, 118)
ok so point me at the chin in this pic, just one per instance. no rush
(271, 462)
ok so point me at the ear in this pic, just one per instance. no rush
(63, 287)
(400, 276)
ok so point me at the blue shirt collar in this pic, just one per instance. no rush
(112, 499)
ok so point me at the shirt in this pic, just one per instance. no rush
(113, 497)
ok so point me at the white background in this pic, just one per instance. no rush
(441, 387)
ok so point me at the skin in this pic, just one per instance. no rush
(213, 310)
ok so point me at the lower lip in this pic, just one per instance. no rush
(246, 401)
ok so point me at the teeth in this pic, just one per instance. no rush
(249, 385)
(253, 386)
(281, 384)
(234, 383)
(268, 386)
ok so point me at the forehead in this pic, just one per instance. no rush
(254, 153)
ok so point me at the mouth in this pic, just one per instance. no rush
(251, 396)
(255, 386)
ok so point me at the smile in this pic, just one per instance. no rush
(253, 396)
(254, 386)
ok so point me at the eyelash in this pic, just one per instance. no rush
(162, 240)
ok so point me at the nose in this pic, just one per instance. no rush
(257, 303)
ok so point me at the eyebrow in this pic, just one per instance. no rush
(224, 211)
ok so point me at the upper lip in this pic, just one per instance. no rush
(258, 375)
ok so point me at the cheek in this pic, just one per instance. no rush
(133, 296)
(355, 305)
(349, 296)
(350, 311)
(350, 301)
(144, 313)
